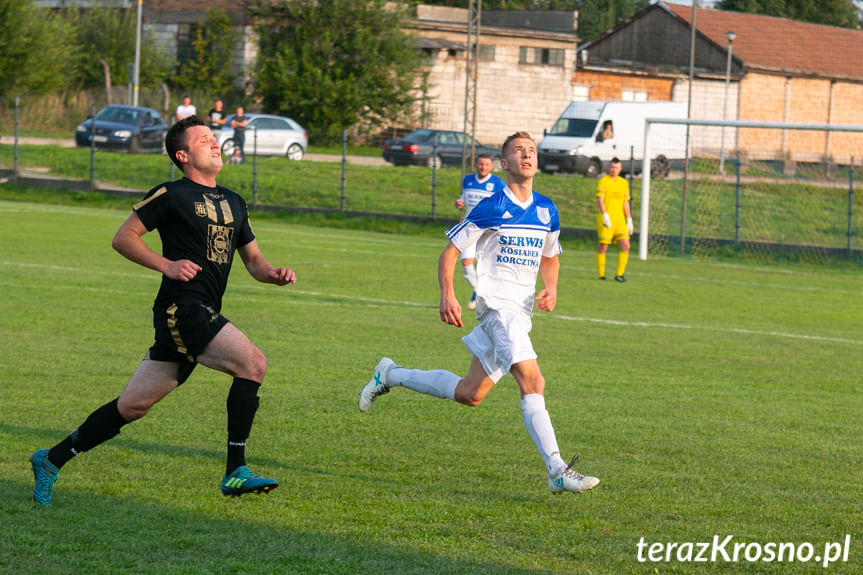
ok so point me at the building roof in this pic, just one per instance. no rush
(549, 24)
(778, 44)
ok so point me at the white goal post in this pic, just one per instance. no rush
(644, 221)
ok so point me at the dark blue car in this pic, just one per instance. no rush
(434, 148)
(130, 128)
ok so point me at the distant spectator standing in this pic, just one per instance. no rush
(216, 117)
(185, 109)
(239, 123)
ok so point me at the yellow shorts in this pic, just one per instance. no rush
(614, 234)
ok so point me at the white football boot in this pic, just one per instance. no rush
(567, 479)
(377, 385)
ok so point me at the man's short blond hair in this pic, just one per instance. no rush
(516, 136)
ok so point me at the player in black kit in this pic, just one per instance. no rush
(201, 225)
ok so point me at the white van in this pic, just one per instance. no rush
(589, 134)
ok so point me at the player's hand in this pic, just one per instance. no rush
(283, 276)
(459, 203)
(182, 270)
(546, 300)
(629, 227)
(450, 311)
(606, 220)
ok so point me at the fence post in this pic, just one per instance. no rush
(344, 168)
(15, 147)
(434, 176)
(850, 204)
(93, 147)
(737, 203)
(255, 167)
(631, 176)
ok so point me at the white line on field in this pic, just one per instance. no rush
(706, 328)
(326, 299)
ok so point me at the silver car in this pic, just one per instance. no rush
(266, 135)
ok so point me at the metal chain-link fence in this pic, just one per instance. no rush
(764, 204)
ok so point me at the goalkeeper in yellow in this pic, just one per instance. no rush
(614, 221)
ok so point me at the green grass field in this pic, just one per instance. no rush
(710, 399)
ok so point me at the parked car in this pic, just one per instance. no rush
(131, 128)
(266, 135)
(436, 148)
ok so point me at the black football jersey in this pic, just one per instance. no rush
(201, 224)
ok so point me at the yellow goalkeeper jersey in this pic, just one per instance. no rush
(614, 192)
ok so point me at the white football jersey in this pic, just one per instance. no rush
(473, 191)
(511, 238)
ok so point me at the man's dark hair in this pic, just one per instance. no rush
(175, 139)
(483, 156)
(615, 160)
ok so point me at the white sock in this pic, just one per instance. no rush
(538, 424)
(470, 275)
(435, 382)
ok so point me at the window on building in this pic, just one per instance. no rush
(185, 42)
(486, 52)
(633, 95)
(580, 93)
(540, 56)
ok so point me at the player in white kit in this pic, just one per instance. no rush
(475, 188)
(516, 232)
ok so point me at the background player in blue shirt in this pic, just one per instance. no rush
(516, 232)
(201, 225)
(475, 188)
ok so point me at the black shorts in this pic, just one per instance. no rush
(183, 330)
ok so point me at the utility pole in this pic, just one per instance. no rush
(689, 117)
(474, 19)
(136, 80)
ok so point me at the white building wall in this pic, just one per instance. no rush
(511, 96)
(709, 103)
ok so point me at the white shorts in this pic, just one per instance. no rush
(469, 252)
(500, 340)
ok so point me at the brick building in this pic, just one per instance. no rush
(781, 71)
(525, 65)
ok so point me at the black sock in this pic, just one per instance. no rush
(100, 426)
(242, 404)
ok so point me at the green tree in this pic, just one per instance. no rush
(334, 64)
(35, 49)
(842, 13)
(597, 16)
(109, 35)
(212, 49)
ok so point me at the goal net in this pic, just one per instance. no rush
(763, 191)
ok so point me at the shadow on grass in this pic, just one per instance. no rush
(43, 438)
(111, 534)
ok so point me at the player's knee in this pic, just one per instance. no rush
(468, 401)
(257, 365)
(535, 384)
(470, 398)
(131, 411)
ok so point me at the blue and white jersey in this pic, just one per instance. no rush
(473, 191)
(511, 238)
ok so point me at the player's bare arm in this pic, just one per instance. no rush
(450, 310)
(260, 268)
(549, 270)
(127, 241)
